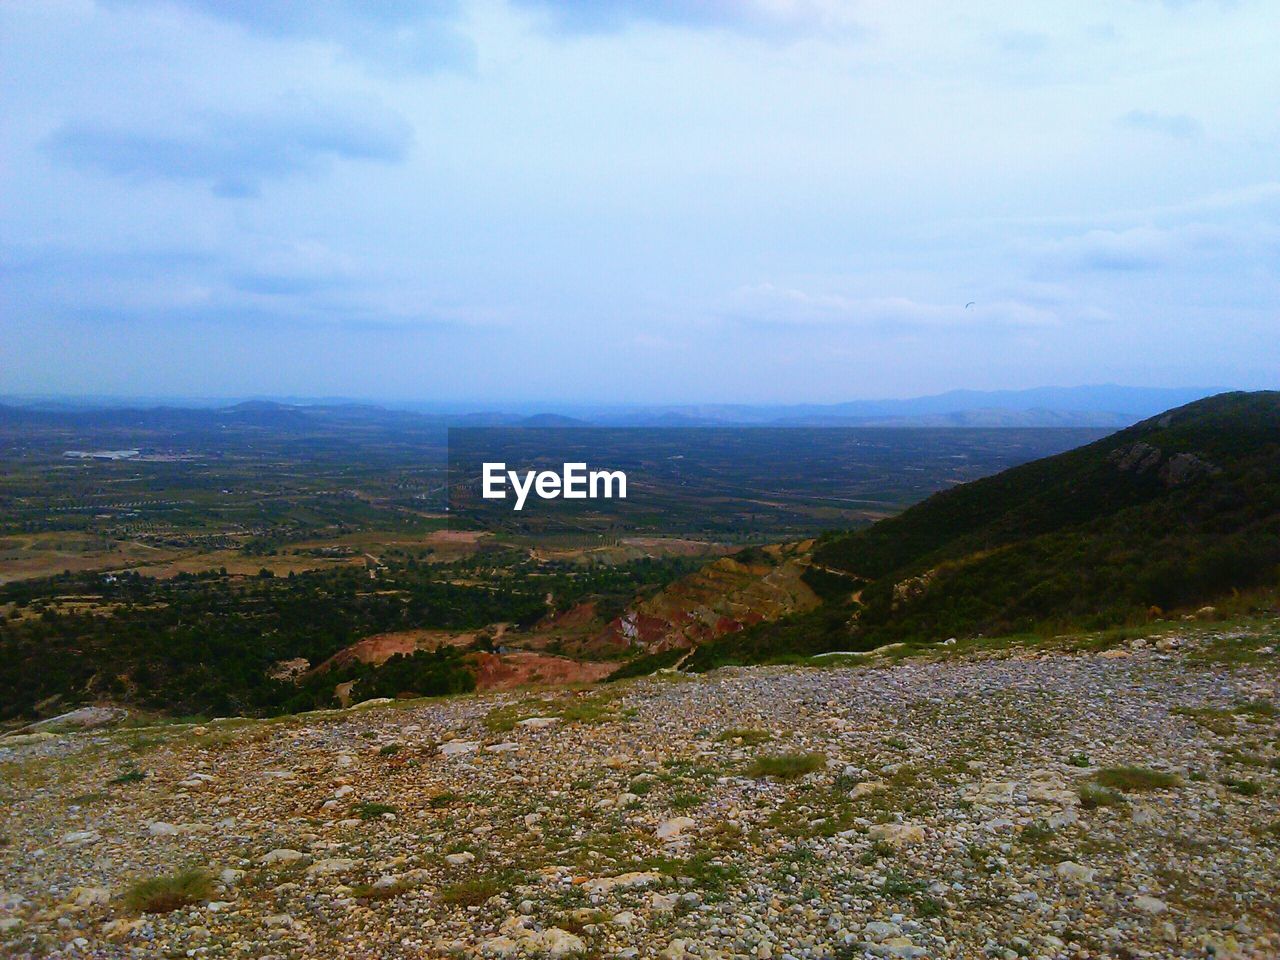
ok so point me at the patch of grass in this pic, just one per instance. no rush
(709, 874)
(389, 750)
(686, 801)
(1079, 760)
(1216, 721)
(1258, 708)
(897, 884)
(441, 800)
(472, 892)
(747, 735)
(590, 710)
(504, 719)
(927, 907)
(1136, 779)
(1093, 795)
(1246, 788)
(168, 893)
(1035, 833)
(386, 891)
(129, 776)
(371, 811)
(786, 766)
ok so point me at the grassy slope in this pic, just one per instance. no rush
(1068, 541)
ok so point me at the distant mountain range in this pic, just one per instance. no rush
(1085, 406)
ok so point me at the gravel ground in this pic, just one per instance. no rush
(957, 808)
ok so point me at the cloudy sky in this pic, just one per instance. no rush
(606, 200)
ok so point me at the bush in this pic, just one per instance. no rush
(786, 766)
(168, 893)
(1093, 796)
(1132, 779)
(471, 893)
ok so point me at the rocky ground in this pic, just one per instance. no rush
(1120, 802)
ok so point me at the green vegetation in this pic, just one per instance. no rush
(1171, 513)
(1133, 779)
(475, 891)
(1094, 795)
(168, 893)
(369, 810)
(1246, 788)
(206, 643)
(786, 766)
(745, 735)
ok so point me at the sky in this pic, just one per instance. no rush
(613, 201)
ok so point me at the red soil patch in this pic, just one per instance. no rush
(381, 647)
(503, 671)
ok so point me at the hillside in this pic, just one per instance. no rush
(1173, 512)
(927, 808)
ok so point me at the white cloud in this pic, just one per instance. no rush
(767, 304)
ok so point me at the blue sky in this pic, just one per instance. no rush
(769, 200)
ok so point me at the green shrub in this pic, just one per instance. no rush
(168, 893)
(1092, 796)
(1133, 779)
(786, 766)
(471, 893)
(746, 735)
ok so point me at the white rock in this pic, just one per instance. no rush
(90, 896)
(671, 829)
(331, 867)
(499, 947)
(537, 723)
(159, 828)
(455, 748)
(866, 788)
(502, 747)
(1075, 872)
(554, 942)
(458, 859)
(1150, 905)
(897, 834)
(664, 902)
(625, 881)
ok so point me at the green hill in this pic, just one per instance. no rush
(1173, 512)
